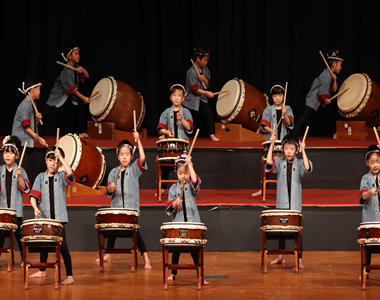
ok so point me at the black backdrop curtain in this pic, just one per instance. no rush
(148, 44)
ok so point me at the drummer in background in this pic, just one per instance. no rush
(321, 89)
(126, 193)
(369, 196)
(25, 124)
(289, 171)
(65, 100)
(48, 200)
(13, 183)
(175, 122)
(196, 94)
(184, 210)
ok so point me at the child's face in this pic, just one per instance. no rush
(52, 166)
(278, 99)
(74, 56)
(36, 92)
(336, 66)
(177, 97)
(9, 157)
(125, 156)
(374, 163)
(183, 173)
(290, 151)
(202, 62)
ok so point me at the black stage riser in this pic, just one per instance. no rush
(241, 168)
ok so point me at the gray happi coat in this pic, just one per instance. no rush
(371, 210)
(270, 119)
(167, 120)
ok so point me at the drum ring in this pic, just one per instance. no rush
(55, 230)
(22, 232)
(98, 219)
(83, 179)
(135, 219)
(300, 221)
(265, 221)
(367, 233)
(13, 220)
(204, 234)
(163, 234)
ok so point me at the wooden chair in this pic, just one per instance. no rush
(159, 181)
(37, 247)
(106, 233)
(183, 249)
(8, 233)
(364, 266)
(275, 236)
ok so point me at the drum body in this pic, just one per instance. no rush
(169, 149)
(115, 103)
(369, 233)
(84, 158)
(183, 233)
(8, 218)
(362, 101)
(116, 219)
(281, 220)
(243, 104)
(42, 230)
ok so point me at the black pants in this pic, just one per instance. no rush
(205, 111)
(18, 235)
(65, 255)
(175, 259)
(31, 164)
(140, 243)
(281, 245)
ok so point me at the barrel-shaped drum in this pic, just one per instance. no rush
(170, 149)
(42, 230)
(281, 220)
(8, 218)
(183, 234)
(369, 233)
(116, 219)
(115, 102)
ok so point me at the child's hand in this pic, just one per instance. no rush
(112, 187)
(179, 202)
(283, 109)
(373, 192)
(80, 70)
(201, 77)
(302, 146)
(209, 94)
(86, 101)
(327, 101)
(136, 135)
(170, 134)
(57, 153)
(378, 146)
(334, 77)
(42, 141)
(37, 213)
(179, 116)
(188, 160)
(18, 172)
(273, 138)
(39, 117)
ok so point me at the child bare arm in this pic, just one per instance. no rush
(140, 146)
(33, 202)
(65, 165)
(304, 156)
(269, 155)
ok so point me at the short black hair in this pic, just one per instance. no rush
(177, 88)
(123, 143)
(202, 51)
(30, 81)
(15, 141)
(68, 48)
(370, 151)
(51, 155)
(276, 90)
(291, 139)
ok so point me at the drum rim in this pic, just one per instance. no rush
(116, 208)
(78, 151)
(171, 139)
(8, 211)
(110, 102)
(281, 210)
(268, 142)
(103, 168)
(183, 223)
(240, 100)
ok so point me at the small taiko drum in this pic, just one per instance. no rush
(116, 219)
(183, 234)
(169, 149)
(115, 102)
(84, 158)
(277, 148)
(42, 230)
(369, 233)
(8, 218)
(362, 101)
(281, 220)
(243, 104)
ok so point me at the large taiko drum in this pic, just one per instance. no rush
(183, 234)
(84, 158)
(281, 220)
(362, 101)
(170, 149)
(369, 233)
(115, 103)
(116, 219)
(8, 218)
(243, 104)
(41, 230)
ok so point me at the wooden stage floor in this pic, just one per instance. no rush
(232, 275)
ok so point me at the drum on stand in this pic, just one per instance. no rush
(116, 219)
(277, 148)
(281, 220)
(243, 104)
(42, 230)
(115, 103)
(8, 219)
(170, 149)
(369, 233)
(84, 158)
(362, 101)
(183, 234)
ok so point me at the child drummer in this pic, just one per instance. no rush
(289, 171)
(48, 200)
(125, 193)
(185, 209)
(175, 122)
(369, 193)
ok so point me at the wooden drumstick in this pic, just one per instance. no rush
(39, 139)
(67, 66)
(35, 108)
(327, 65)
(134, 123)
(278, 124)
(117, 175)
(222, 92)
(204, 85)
(57, 144)
(377, 135)
(91, 98)
(22, 155)
(286, 90)
(304, 136)
(377, 190)
(182, 189)
(192, 145)
(340, 93)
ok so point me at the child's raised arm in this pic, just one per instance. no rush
(270, 151)
(193, 175)
(304, 156)
(37, 212)
(65, 165)
(140, 146)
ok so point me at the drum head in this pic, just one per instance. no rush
(351, 99)
(41, 220)
(72, 146)
(172, 141)
(267, 143)
(99, 104)
(111, 210)
(8, 211)
(281, 211)
(227, 102)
